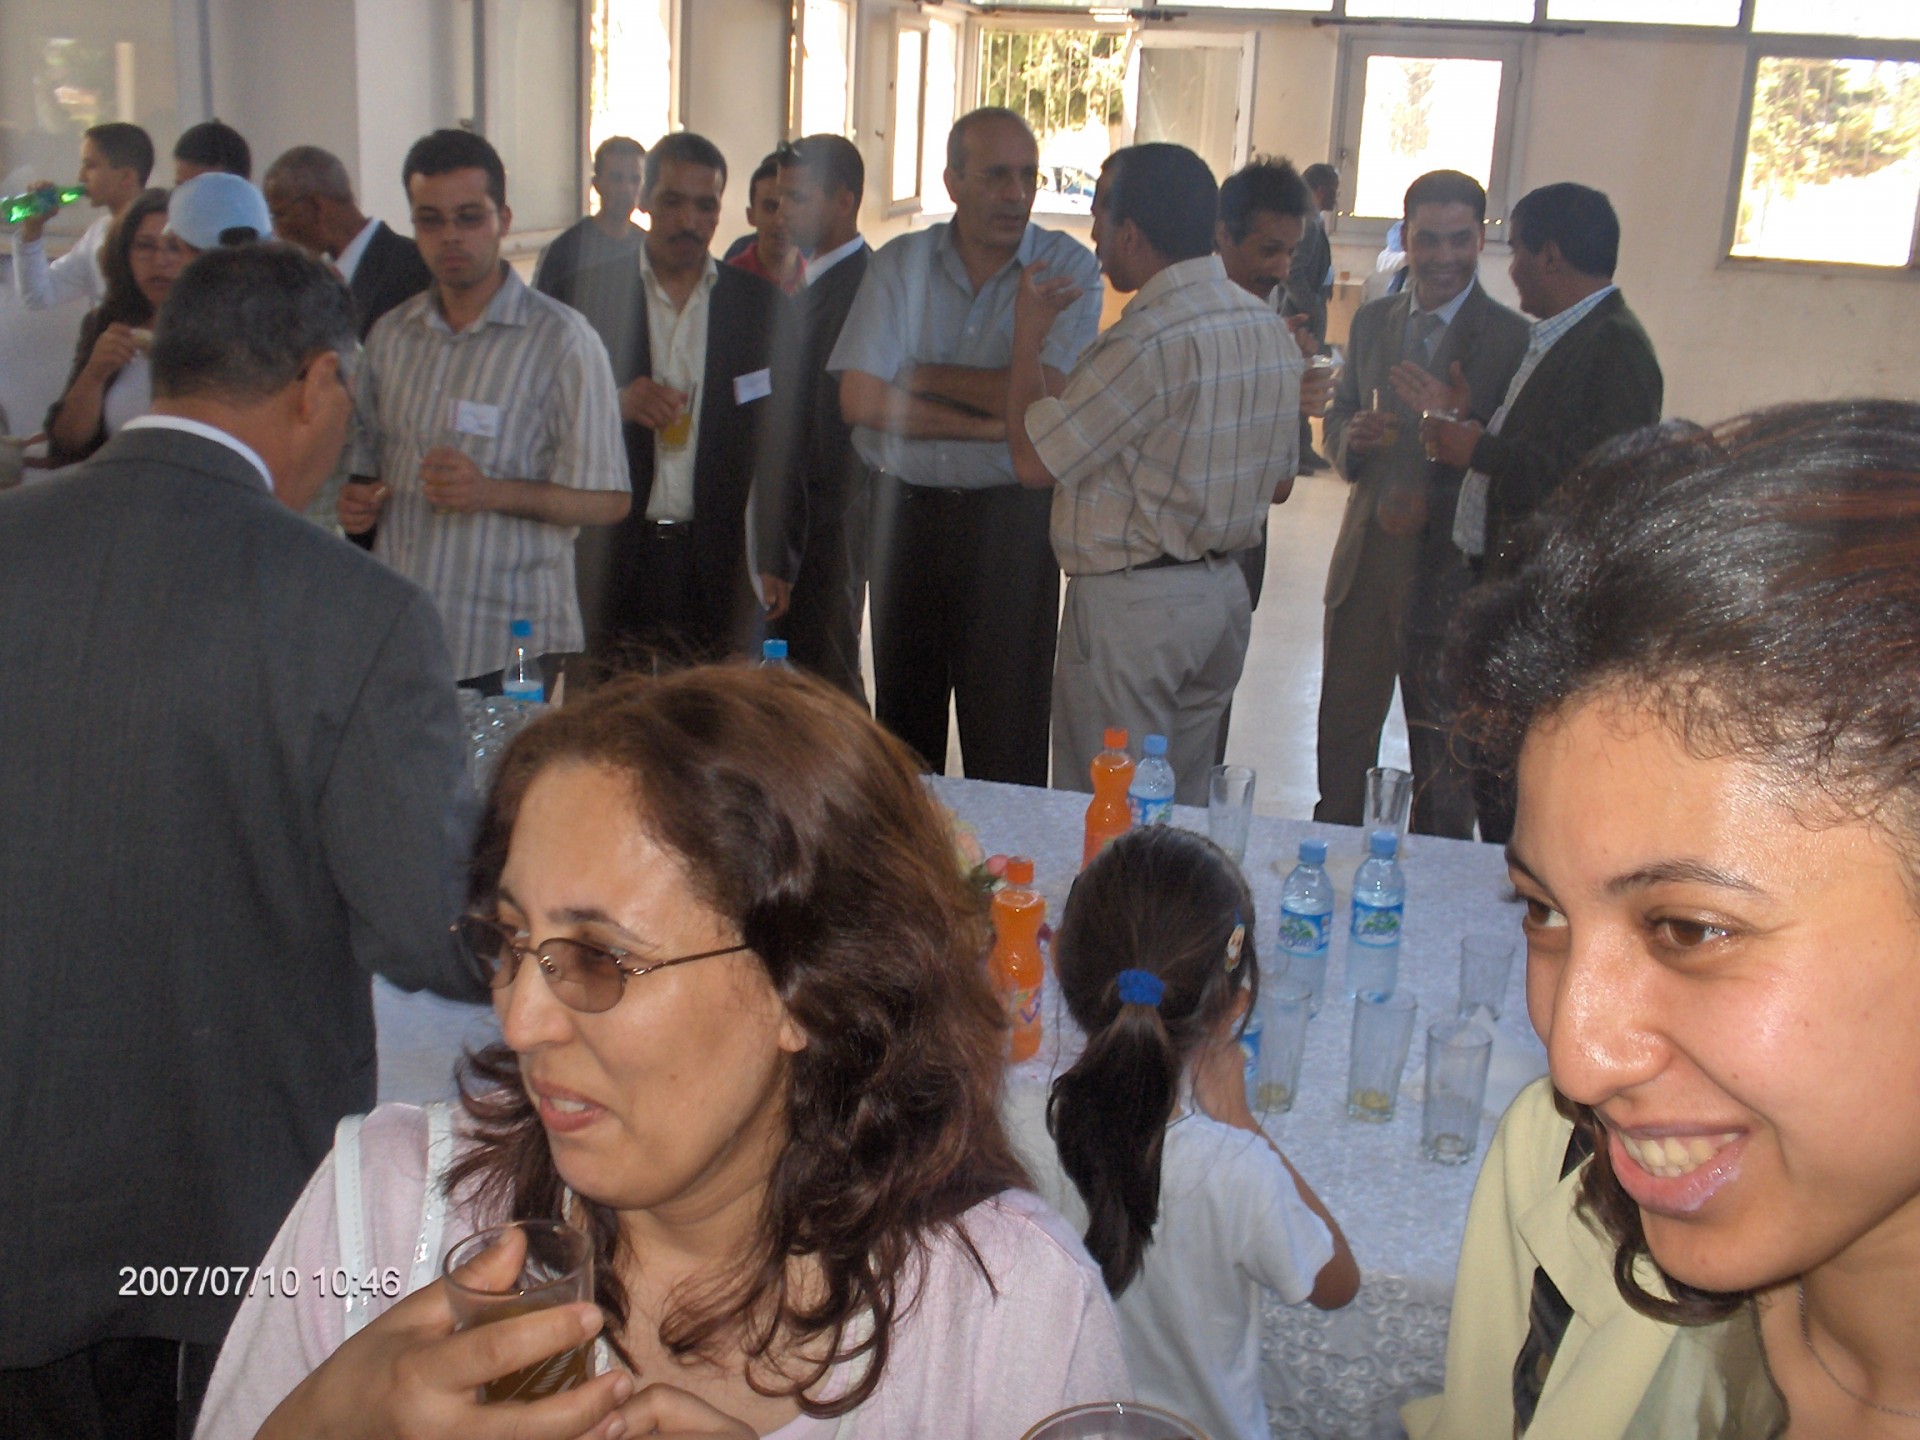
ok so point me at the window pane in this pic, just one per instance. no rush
(1518, 12)
(1419, 114)
(943, 86)
(1833, 161)
(1648, 12)
(906, 116)
(823, 77)
(1071, 87)
(632, 70)
(1893, 19)
(1190, 95)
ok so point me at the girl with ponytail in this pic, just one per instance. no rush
(1146, 1143)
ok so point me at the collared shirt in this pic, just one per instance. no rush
(205, 432)
(1175, 428)
(1470, 514)
(679, 348)
(818, 265)
(76, 275)
(348, 259)
(1444, 313)
(527, 392)
(917, 306)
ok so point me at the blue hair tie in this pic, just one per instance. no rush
(1140, 987)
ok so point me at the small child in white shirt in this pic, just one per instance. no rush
(1147, 1145)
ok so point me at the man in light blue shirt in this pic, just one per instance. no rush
(964, 585)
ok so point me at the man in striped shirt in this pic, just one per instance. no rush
(1175, 432)
(488, 426)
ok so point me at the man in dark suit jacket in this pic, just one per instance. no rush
(1395, 576)
(232, 793)
(311, 201)
(829, 491)
(1589, 374)
(694, 389)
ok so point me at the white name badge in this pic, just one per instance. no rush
(472, 418)
(755, 385)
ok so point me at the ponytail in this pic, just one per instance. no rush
(1108, 1117)
(1151, 955)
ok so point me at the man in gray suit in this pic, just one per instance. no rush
(230, 792)
(1396, 576)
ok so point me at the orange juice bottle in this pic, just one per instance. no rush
(1015, 965)
(1108, 814)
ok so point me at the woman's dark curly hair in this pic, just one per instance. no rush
(1757, 585)
(809, 828)
(125, 303)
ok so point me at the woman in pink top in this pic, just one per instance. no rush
(750, 1049)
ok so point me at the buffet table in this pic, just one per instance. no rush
(1339, 1374)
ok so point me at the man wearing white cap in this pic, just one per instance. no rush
(216, 209)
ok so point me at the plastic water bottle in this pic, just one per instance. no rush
(1379, 898)
(1306, 920)
(773, 655)
(1109, 816)
(1150, 796)
(522, 680)
(1250, 1058)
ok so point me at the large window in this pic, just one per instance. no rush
(923, 101)
(1832, 161)
(822, 38)
(630, 48)
(1414, 105)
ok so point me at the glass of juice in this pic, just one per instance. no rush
(557, 1269)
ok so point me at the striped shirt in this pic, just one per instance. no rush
(917, 306)
(1175, 428)
(527, 392)
(1470, 510)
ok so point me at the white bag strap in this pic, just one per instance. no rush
(433, 1209)
(351, 1222)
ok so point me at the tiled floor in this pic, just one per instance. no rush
(1273, 712)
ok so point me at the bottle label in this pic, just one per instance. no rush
(1150, 812)
(1376, 924)
(1303, 934)
(524, 692)
(1023, 1005)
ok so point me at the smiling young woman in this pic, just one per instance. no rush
(1706, 680)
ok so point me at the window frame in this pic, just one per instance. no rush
(1511, 45)
(1804, 47)
(965, 32)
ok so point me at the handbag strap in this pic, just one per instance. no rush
(351, 1222)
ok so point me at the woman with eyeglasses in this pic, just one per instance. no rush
(1706, 1221)
(749, 1047)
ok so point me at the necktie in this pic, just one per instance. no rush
(1421, 330)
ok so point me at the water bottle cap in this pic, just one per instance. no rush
(773, 649)
(1313, 852)
(519, 629)
(1116, 738)
(1382, 844)
(1019, 870)
(1154, 745)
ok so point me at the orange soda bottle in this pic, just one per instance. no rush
(1015, 965)
(1108, 814)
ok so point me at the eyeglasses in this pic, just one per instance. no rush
(584, 977)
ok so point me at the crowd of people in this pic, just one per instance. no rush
(1669, 667)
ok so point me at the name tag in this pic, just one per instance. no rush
(755, 385)
(472, 418)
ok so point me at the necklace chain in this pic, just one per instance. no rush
(1806, 1338)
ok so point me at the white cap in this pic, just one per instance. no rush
(204, 211)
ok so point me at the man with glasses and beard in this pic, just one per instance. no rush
(233, 793)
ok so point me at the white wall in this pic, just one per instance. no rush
(284, 75)
(733, 88)
(404, 86)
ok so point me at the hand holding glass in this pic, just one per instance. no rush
(557, 1270)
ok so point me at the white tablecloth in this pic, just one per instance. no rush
(1341, 1374)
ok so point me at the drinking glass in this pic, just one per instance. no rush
(1113, 1420)
(1457, 1056)
(1426, 433)
(1286, 1004)
(1389, 803)
(1486, 960)
(675, 434)
(557, 1270)
(1230, 808)
(1382, 1034)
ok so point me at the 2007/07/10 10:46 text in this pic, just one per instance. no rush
(246, 1281)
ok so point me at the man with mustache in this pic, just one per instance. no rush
(965, 589)
(1396, 578)
(695, 378)
(488, 429)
